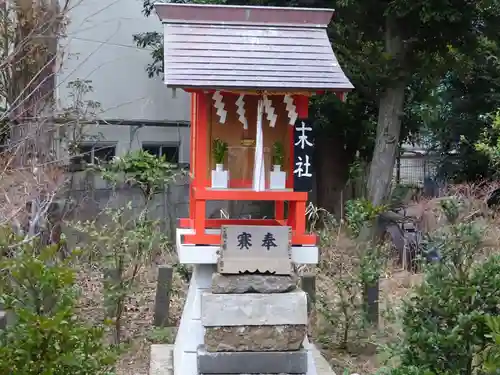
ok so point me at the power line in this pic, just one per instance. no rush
(112, 44)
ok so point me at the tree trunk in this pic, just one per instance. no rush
(384, 154)
(387, 142)
(389, 123)
(332, 167)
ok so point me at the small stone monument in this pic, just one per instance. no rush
(255, 317)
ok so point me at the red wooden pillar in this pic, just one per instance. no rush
(192, 161)
(302, 104)
(201, 157)
(279, 210)
(291, 165)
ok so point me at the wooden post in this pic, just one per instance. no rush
(279, 210)
(370, 234)
(291, 165)
(3, 320)
(201, 158)
(192, 181)
(370, 300)
(162, 298)
(308, 284)
(398, 169)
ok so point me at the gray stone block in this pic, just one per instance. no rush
(252, 283)
(252, 362)
(254, 338)
(254, 309)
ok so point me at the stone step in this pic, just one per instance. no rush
(252, 283)
(254, 309)
(294, 362)
(161, 362)
(254, 338)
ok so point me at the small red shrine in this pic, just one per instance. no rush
(251, 72)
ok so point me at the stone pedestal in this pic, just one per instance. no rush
(253, 324)
(252, 283)
(191, 334)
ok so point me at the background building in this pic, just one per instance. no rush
(135, 110)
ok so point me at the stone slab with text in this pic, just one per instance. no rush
(252, 248)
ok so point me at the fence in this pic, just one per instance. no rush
(412, 168)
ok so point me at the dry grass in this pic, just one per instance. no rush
(138, 319)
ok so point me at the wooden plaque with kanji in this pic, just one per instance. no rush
(255, 249)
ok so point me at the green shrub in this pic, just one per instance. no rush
(444, 327)
(491, 357)
(359, 212)
(141, 169)
(47, 338)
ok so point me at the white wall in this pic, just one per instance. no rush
(99, 47)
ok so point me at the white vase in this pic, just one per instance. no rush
(220, 177)
(277, 178)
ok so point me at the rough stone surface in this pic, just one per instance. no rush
(254, 338)
(253, 309)
(239, 284)
(252, 362)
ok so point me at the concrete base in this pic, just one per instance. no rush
(191, 332)
(294, 362)
(161, 361)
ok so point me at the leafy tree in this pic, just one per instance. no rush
(393, 52)
(407, 41)
(456, 116)
(488, 143)
(154, 40)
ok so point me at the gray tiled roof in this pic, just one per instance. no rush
(225, 55)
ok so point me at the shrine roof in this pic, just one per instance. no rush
(244, 47)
